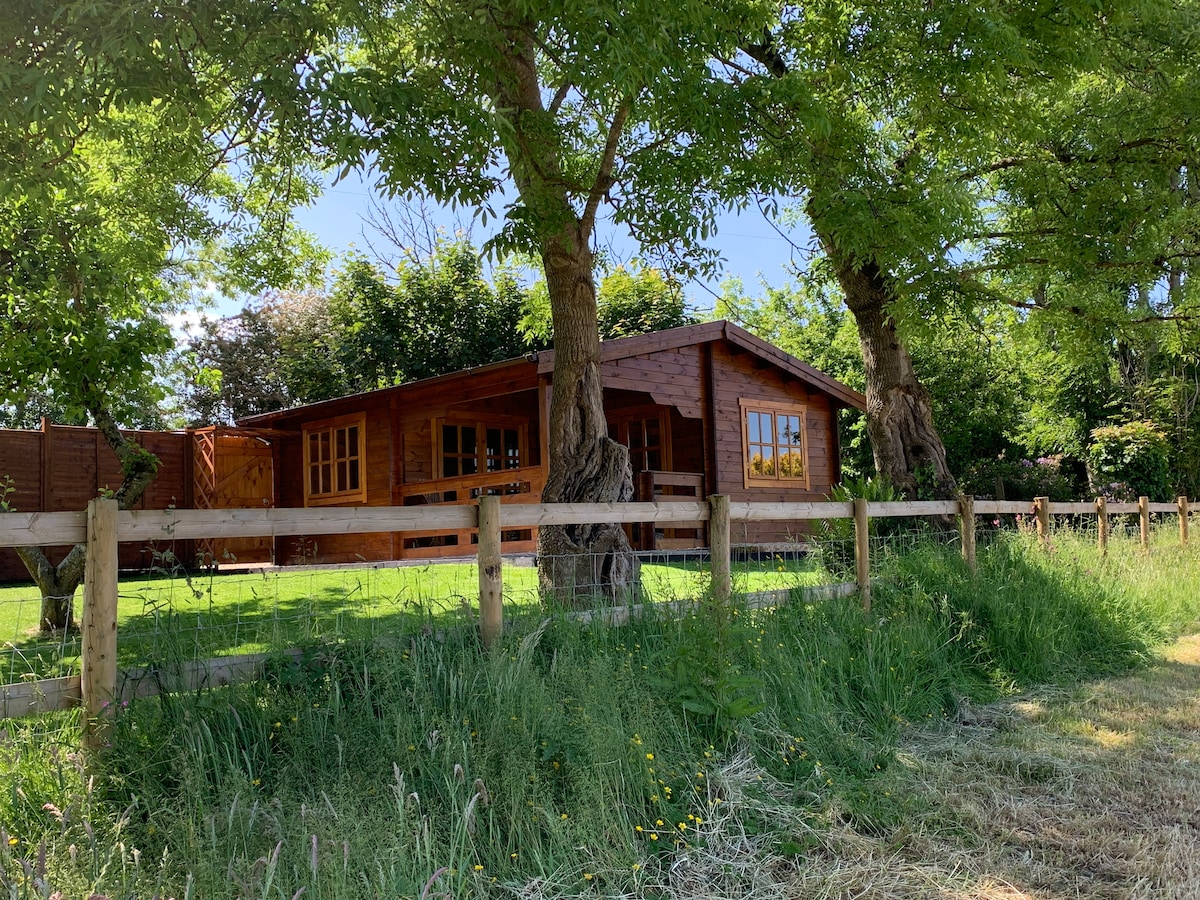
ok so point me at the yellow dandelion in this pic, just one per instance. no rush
(12, 841)
(653, 836)
(588, 876)
(478, 867)
(638, 828)
(650, 756)
(637, 866)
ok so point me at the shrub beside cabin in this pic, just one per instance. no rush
(704, 409)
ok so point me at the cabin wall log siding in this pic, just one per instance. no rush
(377, 452)
(670, 377)
(739, 376)
(399, 450)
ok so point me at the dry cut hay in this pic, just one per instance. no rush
(1093, 794)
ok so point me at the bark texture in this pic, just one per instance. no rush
(576, 563)
(57, 584)
(908, 450)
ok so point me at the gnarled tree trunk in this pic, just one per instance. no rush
(57, 584)
(908, 450)
(576, 563)
(579, 562)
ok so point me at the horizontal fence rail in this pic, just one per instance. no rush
(102, 527)
(42, 528)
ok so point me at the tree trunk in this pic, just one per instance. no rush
(57, 584)
(577, 563)
(908, 449)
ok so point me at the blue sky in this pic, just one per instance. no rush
(753, 250)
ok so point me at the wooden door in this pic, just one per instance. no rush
(233, 471)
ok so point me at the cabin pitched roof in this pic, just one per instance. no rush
(619, 348)
(706, 332)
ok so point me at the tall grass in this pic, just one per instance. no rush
(572, 759)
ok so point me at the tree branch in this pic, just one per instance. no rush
(560, 97)
(604, 177)
(1063, 156)
(767, 53)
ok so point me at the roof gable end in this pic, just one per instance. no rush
(705, 332)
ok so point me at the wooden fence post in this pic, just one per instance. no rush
(1102, 524)
(721, 548)
(1041, 507)
(966, 525)
(1144, 522)
(99, 639)
(491, 577)
(1182, 504)
(862, 551)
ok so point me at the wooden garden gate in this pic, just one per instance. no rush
(233, 469)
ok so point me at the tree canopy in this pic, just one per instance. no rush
(136, 165)
(434, 315)
(137, 160)
(958, 163)
(951, 155)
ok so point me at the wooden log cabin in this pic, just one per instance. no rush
(707, 408)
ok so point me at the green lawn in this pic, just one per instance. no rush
(177, 618)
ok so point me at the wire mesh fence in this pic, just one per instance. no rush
(887, 549)
(180, 616)
(175, 616)
(26, 648)
(183, 617)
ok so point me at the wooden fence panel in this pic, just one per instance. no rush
(63, 467)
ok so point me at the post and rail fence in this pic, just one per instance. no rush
(103, 527)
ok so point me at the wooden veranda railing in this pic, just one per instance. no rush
(523, 485)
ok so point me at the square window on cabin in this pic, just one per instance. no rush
(334, 454)
(775, 446)
(479, 448)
